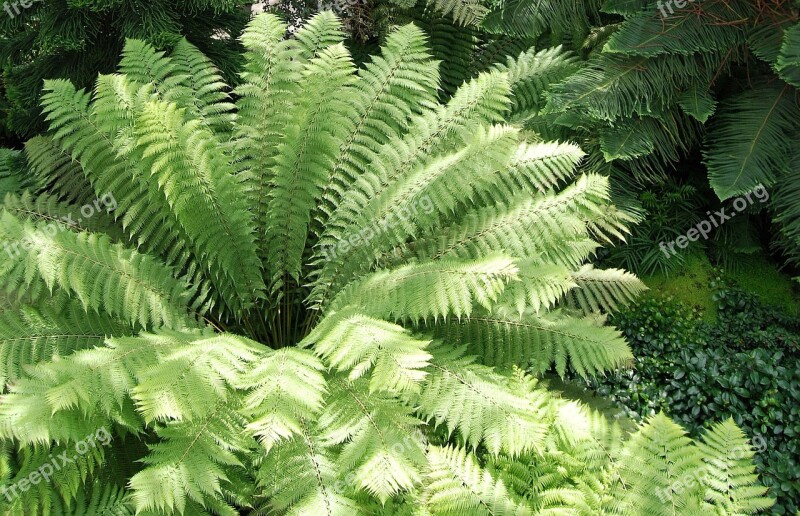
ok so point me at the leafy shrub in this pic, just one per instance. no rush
(299, 305)
(746, 366)
(669, 210)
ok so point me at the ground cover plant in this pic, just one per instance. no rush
(324, 296)
(744, 365)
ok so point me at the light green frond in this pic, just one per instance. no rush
(456, 485)
(265, 104)
(382, 445)
(659, 464)
(103, 276)
(481, 405)
(29, 335)
(307, 484)
(429, 290)
(213, 212)
(354, 343)
(305, 156)
(285, 388)
(189, 463)
(65, 400)
(192, 378)
(143, 64)
(534, 168)
(731, 481)
(392, 88)
(480, 101)
(556, 217)
(323, 30)
(603, 290)
(531, 74)
(47, 209)
(141, 208)
(539, 288)
(539, 342)
(207, 90)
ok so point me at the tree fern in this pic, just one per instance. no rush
(244, 350)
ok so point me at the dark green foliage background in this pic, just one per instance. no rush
(77, 39)
(747, 365)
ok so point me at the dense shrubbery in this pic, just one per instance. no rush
(747, 366)
(52, 39)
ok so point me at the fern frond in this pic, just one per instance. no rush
(429, 289)
(67, 481)
(604, 290)
(611, 86)
(531, 19)
(207, 90)
(321, 31)
(478, 403)
(143, 64)
(189, 462)
(98, 500)
(66, 400)
(463, 12)
(47, 209)
(189, 379)
(55, 168)
(732, 484)
(30, 335)
(382, 444)
(140, 206)
(352, 342)
(539, 341)
(557, 218)
(684, 31)
(658, 467)
(392, 88)
(304, 159)
(285, 388)
(307, 484)
(788, 61)
(103, 276)
(456, 485)
(213, 212)
(14, 175)
(481, 101)
(264, 107)
(531, 74)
